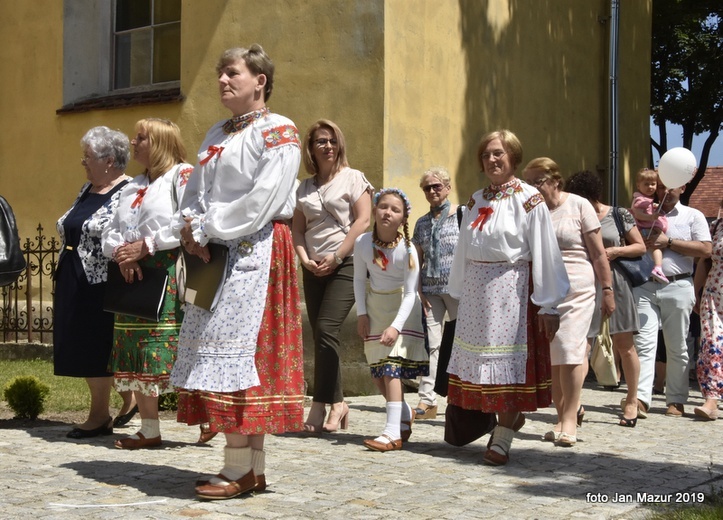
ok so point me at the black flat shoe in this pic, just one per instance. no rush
(122, 420)
(628, 423)
(79, 433)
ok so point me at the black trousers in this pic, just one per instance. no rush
(328, 302)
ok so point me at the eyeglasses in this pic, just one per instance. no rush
(321, 143)
(84, 160)
(429, 188)
(539, 182)
(497, 154)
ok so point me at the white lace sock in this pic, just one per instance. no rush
(502, 440)
(258, 461)
(150, 428)
(236, 463)
(394, 417)
(406, 416)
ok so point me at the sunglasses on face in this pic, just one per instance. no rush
(321, 143)
(433, 187)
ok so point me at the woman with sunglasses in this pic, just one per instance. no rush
(333, 208)
(435, 237)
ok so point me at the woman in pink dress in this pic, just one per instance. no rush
(577, 229)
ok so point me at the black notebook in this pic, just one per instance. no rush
(142, 298)
(204, 281)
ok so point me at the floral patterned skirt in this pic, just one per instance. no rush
(276, 404)
(144, 351)
(710, 359)
(515, 379)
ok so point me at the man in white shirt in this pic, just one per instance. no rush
(669, 305)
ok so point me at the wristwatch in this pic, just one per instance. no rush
(339, 260)
(670, 241)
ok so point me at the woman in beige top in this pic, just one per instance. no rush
(333, 208)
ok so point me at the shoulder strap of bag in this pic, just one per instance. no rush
(619, 224)
(459, 216)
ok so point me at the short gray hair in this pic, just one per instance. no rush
(439, 172)
(104, 142)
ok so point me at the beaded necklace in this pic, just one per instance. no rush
(238, 123)
(386, 245)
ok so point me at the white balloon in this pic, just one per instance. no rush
(676, 167)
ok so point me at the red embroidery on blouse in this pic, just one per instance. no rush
(185, 174)
(380, 259)
(482, 216)
(212, 150)
(533, 201)
(286, 134)
(139, 197)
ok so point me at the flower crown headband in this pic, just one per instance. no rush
(396, 191)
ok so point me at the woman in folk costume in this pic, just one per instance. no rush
(500, 360)
(141, 236)
(240, 367)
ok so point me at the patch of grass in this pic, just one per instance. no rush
(67, 394)
(710, 509)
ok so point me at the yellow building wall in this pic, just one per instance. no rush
(457, 69)
(329, 64)
(412, 83)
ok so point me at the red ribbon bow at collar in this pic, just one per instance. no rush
(380, 259)
(212, 150)
(139, 197)
(482, 216)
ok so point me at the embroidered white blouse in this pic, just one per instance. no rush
(243, 180)
(146, 211)
(512, 224)
(395, 275)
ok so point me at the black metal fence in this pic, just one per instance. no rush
(27, 305)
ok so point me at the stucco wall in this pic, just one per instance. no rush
(456, 69)
(329, 63)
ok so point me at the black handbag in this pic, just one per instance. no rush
(637, 269)
(142, 298)
(12, 261)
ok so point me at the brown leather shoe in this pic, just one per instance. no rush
(375, 445)
(408, 432)
(206, 433)
(675, 410)
(493, 458)
(137, 444)
(260, 482)
(233, 489)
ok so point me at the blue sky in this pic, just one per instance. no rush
(675, 138)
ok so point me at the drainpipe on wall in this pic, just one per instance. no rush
(613, 123)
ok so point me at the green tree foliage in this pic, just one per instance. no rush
(687, 74)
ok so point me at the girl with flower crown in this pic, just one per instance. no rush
(389, 312)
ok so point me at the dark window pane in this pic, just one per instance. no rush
(166, 11)
(166, 53)
(133, 59)
(130, 14)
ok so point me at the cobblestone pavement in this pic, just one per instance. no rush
(46, 475)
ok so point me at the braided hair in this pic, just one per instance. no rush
(405, 224)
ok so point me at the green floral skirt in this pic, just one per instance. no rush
(144, 351)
